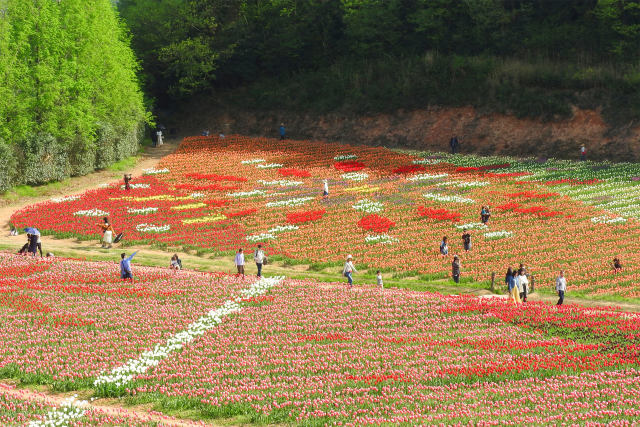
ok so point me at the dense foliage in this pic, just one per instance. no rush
(69, 100)
(529, 57)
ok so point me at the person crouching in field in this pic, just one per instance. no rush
(175, 263)
(617, 267)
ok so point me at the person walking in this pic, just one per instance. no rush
(348, 270)
(583, 153)
(455, 269)
(454, 143)
(239, 260)
(512, 286)
(379, 279)
(523, 284)
(325, 191)
(159, 137)
(258, 257)
(107, 232)
(561, 287)
(125, 266)
(282, 131)
(466, 240)
(444, 248)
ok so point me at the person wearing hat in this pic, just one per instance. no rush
(349, 269)
(455, 269)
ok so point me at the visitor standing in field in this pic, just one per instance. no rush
(159, 137)
(583, 153)
(561, 287)
(454, 143)
(258, 257)
(107, 232)
(523, 284)
(282, 131)
(325, 190)
(127, 179)
(125, 266)
(455, 269)
(512, 286)
(466, 240)
(239, 260)
(379, 279)
(348, 270)
(444, 248)
(485, 214)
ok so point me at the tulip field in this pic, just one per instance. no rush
(386, 208)
(279, 350)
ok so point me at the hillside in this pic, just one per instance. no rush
(430, 129)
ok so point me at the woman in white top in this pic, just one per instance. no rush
(348, 269)
(239, 260)
(523, 284)
(325, 192)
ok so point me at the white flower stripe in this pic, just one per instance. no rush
(280, 183)
(150, 228)
(446, 198)
(471, 226)
(252, 161)
(289, 202)
(270, 165)
(69, 410)
(368, 206)
(122, 375)
(345, 157)
(355, 176)
(247, 193)
(154, 171)
(427, 176)
(91, 212)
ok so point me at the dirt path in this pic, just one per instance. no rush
(133, 414)
(77, 185)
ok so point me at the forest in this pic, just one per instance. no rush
(531, 58)
(70, 98)
(80, 80)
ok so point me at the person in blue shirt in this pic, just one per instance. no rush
(282, 131)
(125, 266)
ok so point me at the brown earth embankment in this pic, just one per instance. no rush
(431, 129)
